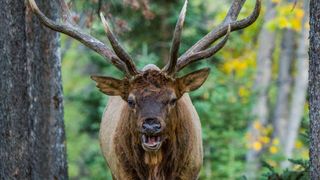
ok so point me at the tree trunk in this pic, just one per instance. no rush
(280, 115)
(260, 112)
(32, 137)
(299, 89)
(314, 89)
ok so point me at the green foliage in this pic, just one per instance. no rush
(301, 171)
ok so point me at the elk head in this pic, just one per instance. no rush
(152, 94)
(151, 97)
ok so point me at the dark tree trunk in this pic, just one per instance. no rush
(32, 137)
(314, 89)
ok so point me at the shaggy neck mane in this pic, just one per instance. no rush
(169, 161)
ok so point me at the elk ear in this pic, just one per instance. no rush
(192, 81)
(110, 86)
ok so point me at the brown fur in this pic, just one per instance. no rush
(180, 156)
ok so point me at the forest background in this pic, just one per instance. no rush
(253, 107)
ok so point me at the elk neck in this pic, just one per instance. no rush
(163, 164)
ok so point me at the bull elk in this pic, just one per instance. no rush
(150, 128)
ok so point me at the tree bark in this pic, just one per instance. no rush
(299, 89)
(262, 82)
(314, 89)
(32, 137)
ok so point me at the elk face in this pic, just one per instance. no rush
(151, 106)
(152, 98)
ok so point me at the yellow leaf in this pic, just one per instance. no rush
(273, 149)
(305, 154)
(257, 146)
(283, 22)
(243, 92)
(298, 145)
(276, 1)
(269, 129)
(265, 139)
(275, 141)
(272, 163)
(299, 13)
(257, 125)
(296, 25)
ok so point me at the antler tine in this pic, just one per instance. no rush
(205, 53)
(117, 47)
(243, 23)
(174, 52)
(74, 32)
(222, 29)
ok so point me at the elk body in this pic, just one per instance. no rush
(154, 135)
(150, 129)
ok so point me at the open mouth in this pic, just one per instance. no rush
(151, 143)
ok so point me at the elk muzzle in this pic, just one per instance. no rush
(151, 138)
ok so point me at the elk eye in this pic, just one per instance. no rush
(173, 101)
(131, 103)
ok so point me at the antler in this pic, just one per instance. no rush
(174, 52)
(201, 49)
(194, 57)
(121, 60)
(117, 47)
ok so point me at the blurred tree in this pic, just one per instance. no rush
(260, 111)
(299, 89)
(32, 133)
(280, 112)
(314, 89)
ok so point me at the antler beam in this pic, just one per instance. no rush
(70, 29)
(199, 50)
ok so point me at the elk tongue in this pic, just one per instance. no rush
(151, 140)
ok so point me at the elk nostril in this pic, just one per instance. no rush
(157, 126)
(150, 121)
(151, 124)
